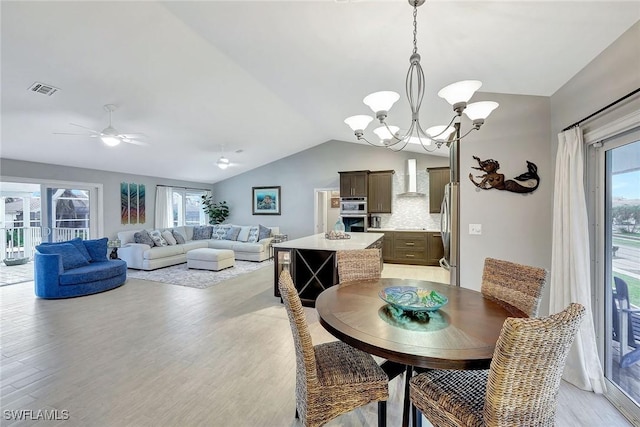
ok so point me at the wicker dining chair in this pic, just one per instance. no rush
(331, 378)
(519, 389)
(514, 285)
(359, 264)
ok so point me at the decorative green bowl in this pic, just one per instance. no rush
(411, 298)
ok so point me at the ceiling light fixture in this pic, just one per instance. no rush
(222, 162)
(109, 135)
(457, 94)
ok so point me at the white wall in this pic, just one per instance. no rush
(515, 227)
(610, 76)
(111, 187)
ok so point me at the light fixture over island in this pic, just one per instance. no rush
(312, 261)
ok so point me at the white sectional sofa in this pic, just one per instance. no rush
(143, 256)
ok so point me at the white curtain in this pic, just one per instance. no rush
(164, 207)
(570, 260)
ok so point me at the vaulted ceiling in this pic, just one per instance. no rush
(263, 80)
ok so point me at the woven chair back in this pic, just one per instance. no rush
(515, 285)
(360, 264)
(306, 374)
(526, 369)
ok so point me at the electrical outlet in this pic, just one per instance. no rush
(475, 229)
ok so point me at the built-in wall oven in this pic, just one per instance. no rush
(355, 223)
(353, 211)
(353, 206)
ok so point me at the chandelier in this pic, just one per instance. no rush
(457, 94)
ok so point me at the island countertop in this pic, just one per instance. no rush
(319, 242)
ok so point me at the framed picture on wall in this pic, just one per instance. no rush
(266, 200)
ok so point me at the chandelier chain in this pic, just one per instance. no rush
(415, 27)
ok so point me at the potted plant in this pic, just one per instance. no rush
(218, 211)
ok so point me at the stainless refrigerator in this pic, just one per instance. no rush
(449, 230)
(450, 214)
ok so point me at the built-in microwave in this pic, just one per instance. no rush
(353, 206)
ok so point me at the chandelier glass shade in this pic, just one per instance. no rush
(457, 94)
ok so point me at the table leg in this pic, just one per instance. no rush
(393, 369)
(407, 401)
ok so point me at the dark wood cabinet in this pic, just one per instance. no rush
(435, 249)
(412, 247)
(380, 191)
(438, 179)
(354, 184)
(388, 253)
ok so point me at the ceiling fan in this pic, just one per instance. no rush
(109, 135)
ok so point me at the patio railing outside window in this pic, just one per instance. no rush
(21, 242)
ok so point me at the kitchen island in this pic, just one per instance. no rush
(312, 261)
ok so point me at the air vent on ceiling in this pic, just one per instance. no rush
(43, 88)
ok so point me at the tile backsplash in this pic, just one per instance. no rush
(410, 211)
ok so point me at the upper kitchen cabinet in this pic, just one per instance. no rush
(354, 184)
(380, 191)
(438, 179)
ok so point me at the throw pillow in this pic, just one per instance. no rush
(97, 249)
(180, 239)
(202, 232)
(232, 233)
(77, 242)
(71, 256)
(143, 237)
(243, 236)
(220, 231)
(168, 237)
(263, 232)
(157, 238)
(253, 234)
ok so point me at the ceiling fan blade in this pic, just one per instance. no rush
(84, 127)
(135, 142)
(133, 135)
(67, 133)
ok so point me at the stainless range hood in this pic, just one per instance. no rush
(411, 179)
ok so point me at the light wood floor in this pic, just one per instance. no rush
(152, 354)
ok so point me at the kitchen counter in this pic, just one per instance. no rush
(319, 242)
(312, 261)
(382, 230)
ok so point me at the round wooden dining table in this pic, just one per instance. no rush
(460, 335)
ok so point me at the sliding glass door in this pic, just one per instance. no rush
(71, 210)
(618, 266)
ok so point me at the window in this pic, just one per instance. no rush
(187, 207)
(613, 163)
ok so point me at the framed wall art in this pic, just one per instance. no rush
(266, 200)
(335, 199)
(132, 203)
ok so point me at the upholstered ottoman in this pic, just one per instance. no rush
(210, 259)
